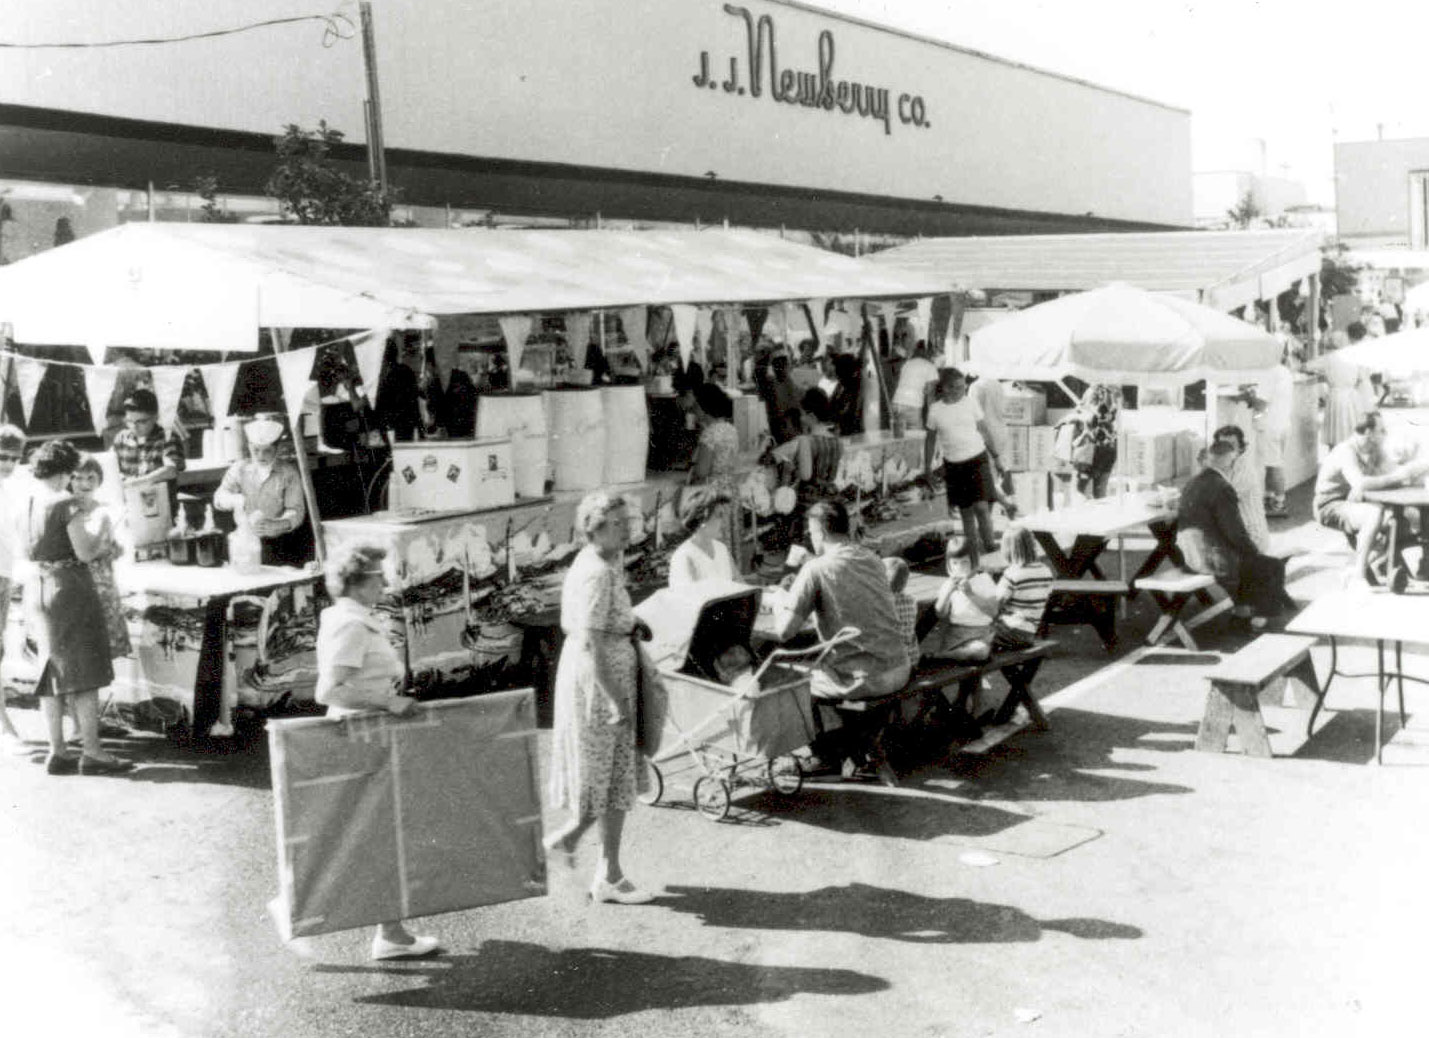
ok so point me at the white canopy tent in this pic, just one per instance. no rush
(1403, 354)
(213, 286)
(1123, 335)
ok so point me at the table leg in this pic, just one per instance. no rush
(1399, 678)
(1056, 557)
(1379, 714)
(1085, 550)
(208, 683)
(1164, 530)
(1121, 604)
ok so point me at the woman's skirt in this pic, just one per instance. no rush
(65, 629)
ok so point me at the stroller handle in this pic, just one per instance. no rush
(818, 652)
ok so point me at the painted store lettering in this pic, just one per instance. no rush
(806, 89)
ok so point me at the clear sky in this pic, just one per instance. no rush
(1295, 74)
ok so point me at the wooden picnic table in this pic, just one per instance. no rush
(1093, 524)
(1369, 616)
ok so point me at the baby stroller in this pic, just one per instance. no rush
(735, 723)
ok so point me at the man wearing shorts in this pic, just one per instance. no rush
(1358, 464)
(956, 426)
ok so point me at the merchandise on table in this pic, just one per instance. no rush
(451, 475)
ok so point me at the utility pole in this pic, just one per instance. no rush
(376, 154)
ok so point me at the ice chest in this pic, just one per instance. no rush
(702, 647)
(1024, 406)
(452, 475)
(383, 817)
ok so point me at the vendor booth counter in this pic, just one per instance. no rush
(205, 640)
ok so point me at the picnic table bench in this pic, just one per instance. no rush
(1238, 682)
(926, 689)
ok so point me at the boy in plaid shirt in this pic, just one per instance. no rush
(904, 606)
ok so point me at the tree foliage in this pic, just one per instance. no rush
(311, 189)
(1246, 211)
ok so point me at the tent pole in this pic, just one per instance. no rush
(305, 473)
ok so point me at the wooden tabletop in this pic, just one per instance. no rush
(1106, 517)
(1403, 497)
(1366, 614)
(164, 578)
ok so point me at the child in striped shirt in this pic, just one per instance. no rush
(1022, 593)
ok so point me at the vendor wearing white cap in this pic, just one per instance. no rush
(267, 494)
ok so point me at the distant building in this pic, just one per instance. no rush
(1217, 192)
(1382, 192)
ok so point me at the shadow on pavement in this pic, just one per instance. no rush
(871, 911)
(1067, 762)
(240, 761)
(1344, 736)
(598, 983)
(867, 810)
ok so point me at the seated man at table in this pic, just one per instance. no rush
(844, 586)
(1358, 464)
(1214, 539)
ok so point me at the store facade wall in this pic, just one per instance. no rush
(762, 112)
(1382, 192)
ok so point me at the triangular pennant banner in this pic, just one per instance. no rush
(686, 320)
(28, 374)
(515, 329)
(633, 319)
(889, 313)
(369, 348)
(816, 314)
(578, 338)
(99, 383)
(96, 352)
(295, 371)
(219, 380)
(169, 390)
(704, 327)
(924, 317)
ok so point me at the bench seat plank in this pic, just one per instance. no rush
(1263, 660)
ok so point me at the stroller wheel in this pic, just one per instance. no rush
(656, 784)
(712, 798)
(785, 775)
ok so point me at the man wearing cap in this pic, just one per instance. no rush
(267, 494)
(146, 454)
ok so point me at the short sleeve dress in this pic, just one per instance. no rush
(64, 621)
(720, 441)
(594, 764)
(101, 570)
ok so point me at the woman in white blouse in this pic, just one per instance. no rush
(704, 556)
(359, 669)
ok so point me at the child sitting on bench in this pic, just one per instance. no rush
(965, 607)
(1022, 592)
(903, 605)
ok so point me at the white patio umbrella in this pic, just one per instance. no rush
(1121, 334)
(1403, 353)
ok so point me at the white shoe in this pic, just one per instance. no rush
(622, 893)
(420, 946)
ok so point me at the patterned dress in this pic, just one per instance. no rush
(720, 441)
(101, 527)
(594, 764)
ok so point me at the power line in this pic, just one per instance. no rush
(338, 26)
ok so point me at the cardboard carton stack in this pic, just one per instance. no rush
(1024, 412)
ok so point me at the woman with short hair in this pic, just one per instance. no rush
(359, 669)
(596, 771)
(12, 450)
(63, 616)
(716, 463)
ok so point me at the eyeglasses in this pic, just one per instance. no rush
(10, 457)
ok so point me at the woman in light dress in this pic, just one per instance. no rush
(704, 556)
(1344, 404)
(99, 546)
(596, 772)
(716, 463)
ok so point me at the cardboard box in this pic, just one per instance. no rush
(1040, 439)
(383, 817)
(1029, 492)
(1188, 445)
(1023, 406)
(1017, 458)
(1148, 457)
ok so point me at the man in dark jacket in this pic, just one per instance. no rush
(1209, 518)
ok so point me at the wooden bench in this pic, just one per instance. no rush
(1091, 602)
(926, 688)
(1172, 591)
(1239, 681)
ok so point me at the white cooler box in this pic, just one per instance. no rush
(452, 475)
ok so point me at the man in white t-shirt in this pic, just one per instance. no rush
(915, 379)
(1279, 392)
(956, 426)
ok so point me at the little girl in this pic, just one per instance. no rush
(965, 607)
(1022, 593)
(99, 526)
